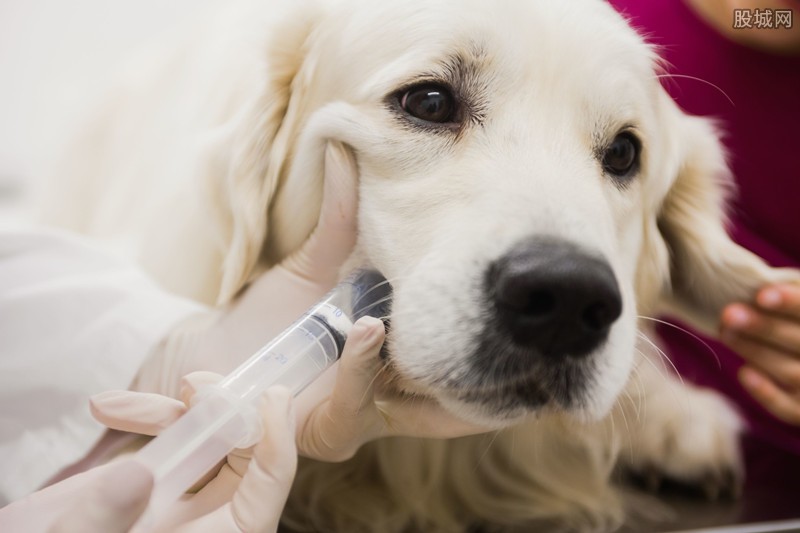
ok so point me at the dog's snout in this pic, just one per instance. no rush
(555, 298)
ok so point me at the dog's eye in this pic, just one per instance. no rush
(431, 103)
(621, 158)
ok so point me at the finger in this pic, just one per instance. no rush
(253, 502)
(112, 503)
(137, 412)
(360, 363)
(775, 400)
(207, 510)
(775, 330)
(336, 428)
(780, 366)
(783, 298)
(340, 191)
(191, 383)
(334, 237)
(259, 501)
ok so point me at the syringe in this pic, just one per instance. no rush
(225, 416)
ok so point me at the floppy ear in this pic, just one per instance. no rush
(707, 269)
(258, 147)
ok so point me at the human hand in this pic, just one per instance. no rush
(111, 502)
(767, 336)
(248, 492)
(352, 403)
(357, 403)
(106, 499)
(243, 495)
(219, 341)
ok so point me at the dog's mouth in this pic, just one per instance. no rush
(561, 387)
(534, 338)
(506, 392)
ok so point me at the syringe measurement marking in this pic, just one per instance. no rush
(282, 359)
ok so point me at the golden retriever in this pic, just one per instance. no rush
(528, 188)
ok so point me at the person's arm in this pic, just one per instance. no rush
(74, 321)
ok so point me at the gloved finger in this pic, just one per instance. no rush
(340, 192)
(191, 383)
(334, 237)
(111, 503)
(204, 511)
(272, 469)
(259, 500)
(136, 412)
(336, 428)
(359, 366)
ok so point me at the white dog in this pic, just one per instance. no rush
(526, 185)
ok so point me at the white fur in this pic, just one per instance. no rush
(207, 167)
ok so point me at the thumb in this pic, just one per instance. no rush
(332, 241)
(112, 503)
(336, 428)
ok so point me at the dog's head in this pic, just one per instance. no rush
(527, 187)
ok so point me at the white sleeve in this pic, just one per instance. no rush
(74, 321)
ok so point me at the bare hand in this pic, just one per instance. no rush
(767, 336)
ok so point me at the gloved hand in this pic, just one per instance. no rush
(243, 495)
(220, 340)
(248, 491)
(331, 424)
(357, 403)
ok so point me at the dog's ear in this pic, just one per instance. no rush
(258, 147)
(707, 269)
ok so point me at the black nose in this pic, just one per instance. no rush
(554, 297)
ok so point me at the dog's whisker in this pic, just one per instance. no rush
(363, 401)
(641, 396)
(634, 404)
(613, 427)
(670, 384)
(662, 355)
(659, 371)
(388, 281)
(701, 80)
(486, 451)
(688, 332)
(378, 285)
(376, 303)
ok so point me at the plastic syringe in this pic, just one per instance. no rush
(225, 416)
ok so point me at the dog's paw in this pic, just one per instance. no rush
(687, 435)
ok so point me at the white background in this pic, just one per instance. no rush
(53, 53)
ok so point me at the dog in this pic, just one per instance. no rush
(526, 185)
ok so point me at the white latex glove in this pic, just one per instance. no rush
(331, 424)
(220, 340)
(243, 495)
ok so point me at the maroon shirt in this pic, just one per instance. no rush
(762, 136)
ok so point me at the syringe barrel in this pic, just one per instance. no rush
(226, 415)
(188, 449)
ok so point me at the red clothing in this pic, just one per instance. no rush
(762, 135)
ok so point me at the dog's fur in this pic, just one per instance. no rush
(207, 166)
